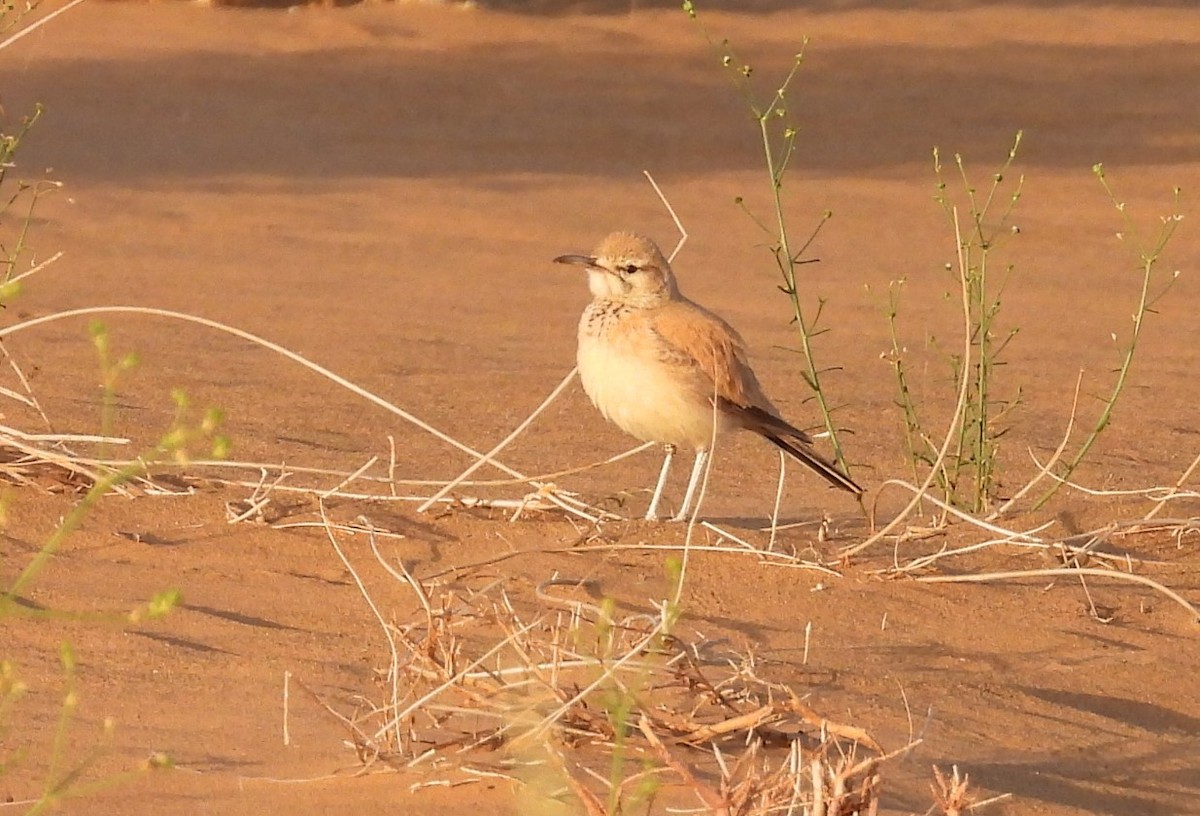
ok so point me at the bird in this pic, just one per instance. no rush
(666, 370)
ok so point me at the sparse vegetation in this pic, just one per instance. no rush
(68, 774)
(1155, 284)
(609, 707)
(967, 475)
(777, 131)
(588, 708)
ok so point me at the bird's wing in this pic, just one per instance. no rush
(699, 343)
(693, 338)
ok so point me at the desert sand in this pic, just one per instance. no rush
(381, 188)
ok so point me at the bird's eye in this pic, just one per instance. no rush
(629, 269)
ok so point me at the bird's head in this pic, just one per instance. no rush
(627, 268)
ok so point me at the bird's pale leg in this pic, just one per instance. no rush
(668, 454)
(694, 482)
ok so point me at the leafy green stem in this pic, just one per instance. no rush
(1148, 258)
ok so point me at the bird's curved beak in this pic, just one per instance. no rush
(577, 260)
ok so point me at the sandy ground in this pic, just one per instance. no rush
(381, 188)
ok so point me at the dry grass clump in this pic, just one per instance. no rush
(567, 696)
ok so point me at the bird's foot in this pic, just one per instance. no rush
(675, 519)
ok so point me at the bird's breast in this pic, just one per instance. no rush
(627, 379)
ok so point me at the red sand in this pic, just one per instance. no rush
(381, 188)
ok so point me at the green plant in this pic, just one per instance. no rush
(1154, 284)
(973, 457)
(919, 446)
(967, 476)
(11, 14)
(26, 197)
(183, 435)
(68, 780)
(623, 700)
(777, 133)
(66, 777)
(110, 373)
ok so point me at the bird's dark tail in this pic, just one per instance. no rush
(802, 453)
(792, 441)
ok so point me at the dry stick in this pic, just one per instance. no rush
(822, 522)
(442, 783)
(387, 632)
(924, 561)
(34, 27)
(30, 399)
(794, 770)
(1148, 492)
(233, 464)
(716, 805)
(683, 233)
(608, 673)
(1058, 452)
(532, 666)
(287, 737)
(728, 536)
(954, 421)
(341, 528)
(61, 460)
(764, 715)
(1132, 527)
(504, 504)
(1167, 493)
(254, 504)
(274, 779)
(33, 270)
(1174, 492)
(356, 474)
(1043, 573)
(551, 494)
(392, 464)
(766, 556)
(13, 395)
(317, 471)
(1027, 539)
(275, 347)
(20, 802)
(1135, 526)
(967, 517)
(1087, 593)
(870, 763)
(402, 575)
(778, 501)
(776, 559)
(547, 492)
(65, 437)
(850, 732)
(456, 678)
(504, 443)
(591, 804)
